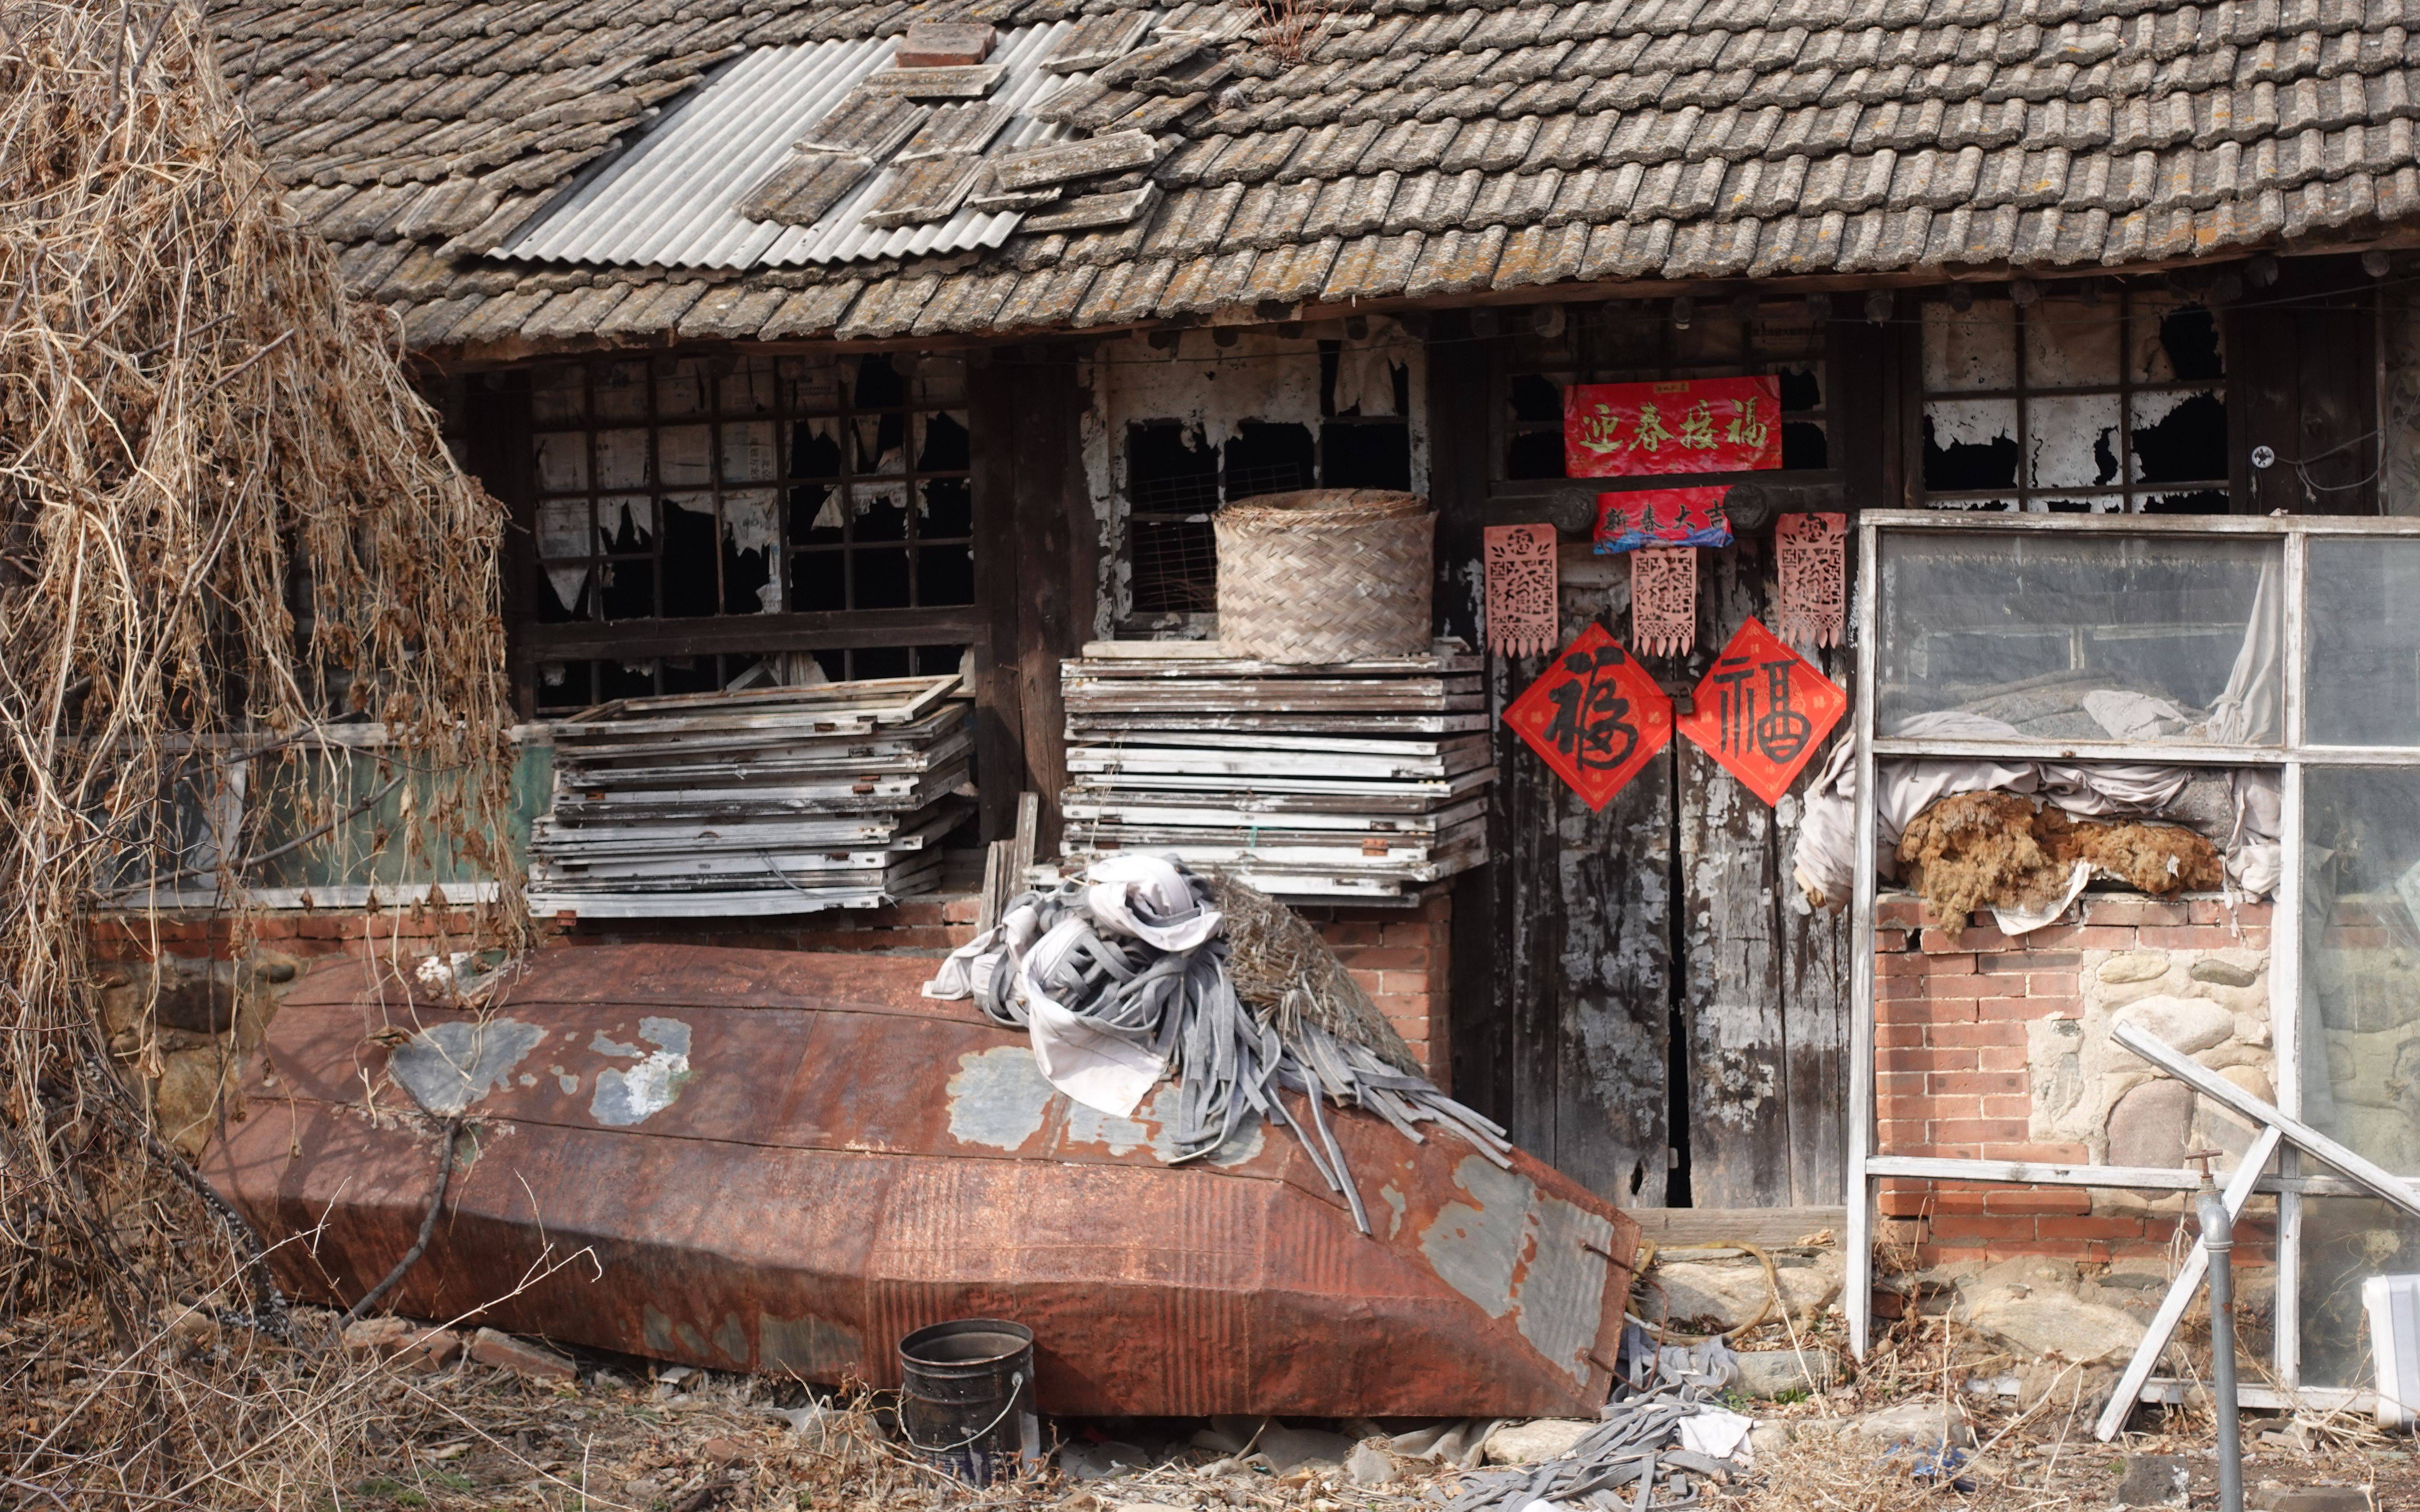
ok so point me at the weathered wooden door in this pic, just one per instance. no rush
(1640, 994)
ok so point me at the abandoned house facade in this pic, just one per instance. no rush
(872, 340)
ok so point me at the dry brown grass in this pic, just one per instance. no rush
(226, 521)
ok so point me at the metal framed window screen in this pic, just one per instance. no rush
(2290, 758)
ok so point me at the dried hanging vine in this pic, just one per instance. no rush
(227, 525)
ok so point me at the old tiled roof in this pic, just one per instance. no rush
(1419, 148)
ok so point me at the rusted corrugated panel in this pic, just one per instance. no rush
(786, 1160)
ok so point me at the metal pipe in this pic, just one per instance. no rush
(2218, 1242)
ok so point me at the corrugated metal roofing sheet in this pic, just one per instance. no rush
(668, 200)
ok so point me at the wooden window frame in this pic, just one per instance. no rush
(733, 638)
(2029, 497)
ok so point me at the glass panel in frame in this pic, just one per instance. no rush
(2362, 641)
(2100, 638)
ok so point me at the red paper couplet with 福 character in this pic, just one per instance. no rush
(1596, 718)
(1763, 711)
(1620, 430)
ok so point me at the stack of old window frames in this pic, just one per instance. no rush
(1361, 782)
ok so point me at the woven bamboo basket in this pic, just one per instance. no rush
(1327, 574)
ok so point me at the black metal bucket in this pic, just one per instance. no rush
(965, 1398)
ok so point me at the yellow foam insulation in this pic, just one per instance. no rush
(1986, 850)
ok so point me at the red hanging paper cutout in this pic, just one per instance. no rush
(1596, 718)
(1522, 617)
(1664, 601)
(1763, 711)
(1811, 561)
(1619, 430)
(1660, 517)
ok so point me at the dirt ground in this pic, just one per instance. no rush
(482, 1438)
(331, 1433)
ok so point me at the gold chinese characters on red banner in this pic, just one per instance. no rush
(1596, 718)
(1763, 711)
(1619, 430)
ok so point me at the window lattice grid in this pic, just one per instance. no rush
(2108, 403)
(674, 488)
(682, 487)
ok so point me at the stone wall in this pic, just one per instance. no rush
(1998, 1048)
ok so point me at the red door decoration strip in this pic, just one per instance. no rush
(1660, 517)
(1622, 430)
(1664, 601)
(1521, 588)
(1763, 711)
(1595, 716)
(1810, 559)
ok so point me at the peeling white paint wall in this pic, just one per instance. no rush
(1215, 391)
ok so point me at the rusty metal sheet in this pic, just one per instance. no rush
(784, 1161)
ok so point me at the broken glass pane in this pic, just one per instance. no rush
(1975, 348)
(2071, 441)
(689, 557)
(945, 575)
(818, 582)
(2179, 436)
(2099, 638)
(945, 445)
(2364, 643)
(625, 523)
(2174, 341)
(949, 509)
(629, 590)
(1969, 444)
(751, 538)
(881, 578)
(2072, 345)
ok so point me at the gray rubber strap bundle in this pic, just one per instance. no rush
(1633, 1459)
(1229, 1063)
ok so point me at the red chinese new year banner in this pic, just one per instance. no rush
(1622, 430)
(1660, 517)
(1596, 718)
(1763, 711)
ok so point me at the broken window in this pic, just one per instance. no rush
(701, 488)
(2099, 401)
(1629, 341)
(1279, 414)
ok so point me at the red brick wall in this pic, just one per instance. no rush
(1401, 957)
(1398, 955)
(1950, 1074)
